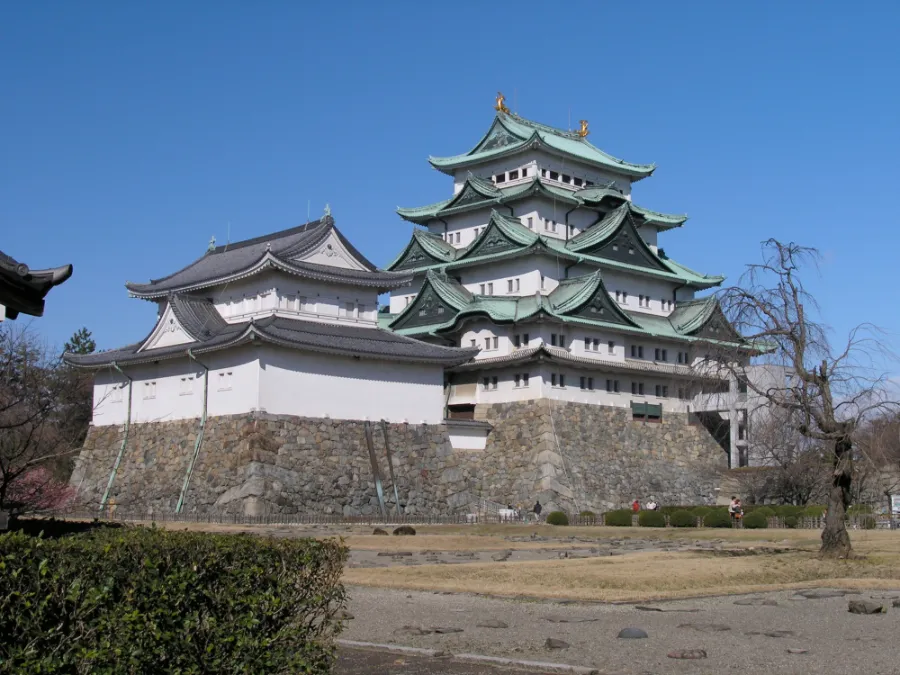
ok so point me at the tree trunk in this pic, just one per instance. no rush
(835, 539)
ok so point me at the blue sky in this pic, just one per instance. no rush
(132, 132)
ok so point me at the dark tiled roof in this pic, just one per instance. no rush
(23, 289)
(345, 340)
(277, 249)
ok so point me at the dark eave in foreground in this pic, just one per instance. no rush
(22, 290)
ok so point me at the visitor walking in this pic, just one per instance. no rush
(652, 505)
(635, 506)
(733, 508)
(537, 510)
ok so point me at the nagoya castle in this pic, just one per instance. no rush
(539, 344)
(542, 259)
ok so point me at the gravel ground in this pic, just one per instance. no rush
(733, 635)
(372, 662)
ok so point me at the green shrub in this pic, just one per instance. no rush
(620, 518)
(669, 510)
(787, 510)
(859, 509)
(790, 522)
(683, 519)
(557, 518)
(142, 600)
(651, 519)
(588, 517)
(702, 511)
(814, 511)
(766, 511)
(756, 520)
(717, 518)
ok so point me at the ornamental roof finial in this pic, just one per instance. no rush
(328, 211)
(500, 106)
(212, 245)
(583, 131)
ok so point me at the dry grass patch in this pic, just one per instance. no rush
(641, 576)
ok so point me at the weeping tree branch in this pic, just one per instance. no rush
(827, 393)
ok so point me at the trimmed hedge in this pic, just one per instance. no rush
(683, 519)
(557, 518)
(859, 509)
(867, 522)
(787, 510)
(620, 518)
(756, 520)
(651, 519)
(142, 600)
(814, 511)
(766, 511)
(790, 522)
(702, 511)
(588, 517)
(717, 518)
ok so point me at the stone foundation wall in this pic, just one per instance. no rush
(569, 455)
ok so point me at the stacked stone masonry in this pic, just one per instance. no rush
(570, 456)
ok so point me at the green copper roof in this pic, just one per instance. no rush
(442, 304)
(605, 245)
(478, 193)
(510, 134)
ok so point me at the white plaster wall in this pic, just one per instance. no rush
(463, 438)
(158, 393)
(401, 297)
(332, 252)
(316, 385)
(168, 330)
(527, 269)
(636, 285)
(276, 292)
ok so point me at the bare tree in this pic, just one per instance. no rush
(829, 393)
(38, 395)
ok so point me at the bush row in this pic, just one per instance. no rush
(142, 600)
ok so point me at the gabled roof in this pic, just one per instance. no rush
(327, 338)
(510, 134)
(278, 250)
(476, 193)
(23, 289)
(594, 246)
(545, 352)
(443, 304)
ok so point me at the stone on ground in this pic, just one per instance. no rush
(491, 623)
(757, 602)
(865, 607)
(687, 654)
(553, 643)
(706, 627)
(633, 634)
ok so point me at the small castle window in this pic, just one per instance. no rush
(513, 175)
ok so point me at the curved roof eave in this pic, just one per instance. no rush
(378, 280)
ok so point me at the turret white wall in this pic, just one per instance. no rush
(273, 380)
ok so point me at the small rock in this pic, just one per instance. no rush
(443, 630)
(501, 556)
(492, 623)
(706, 627)
(896, 603)
(553, 643)
(344, 615)
(687, 654)
(443, 654)
(378, 530)
(797, 650)
(865, 607)
(413, 630)
(568, 619)
(632, 634)
(405, 529)
(757, 602)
